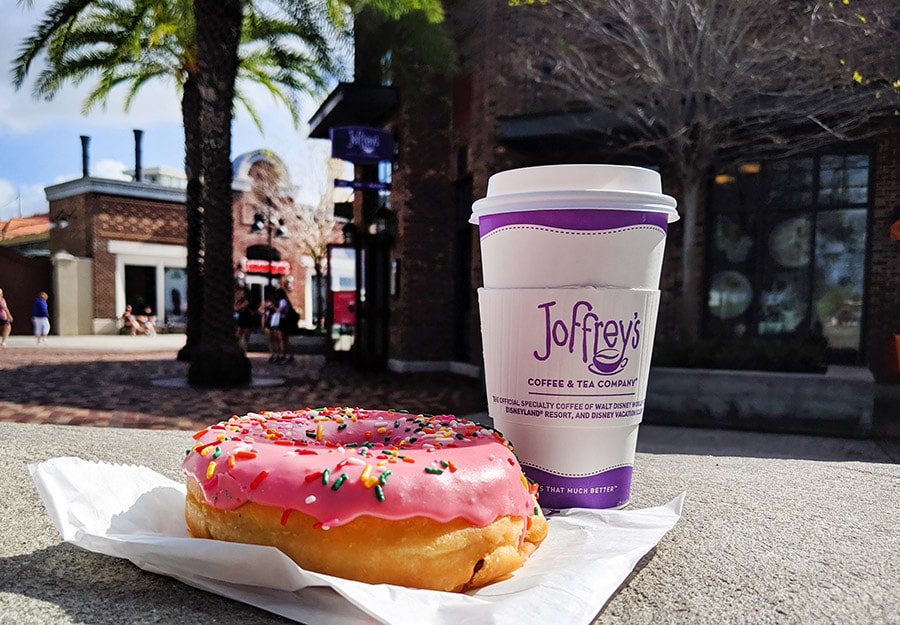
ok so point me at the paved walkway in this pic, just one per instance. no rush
(123, 381)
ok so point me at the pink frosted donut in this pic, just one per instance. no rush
(373, 495)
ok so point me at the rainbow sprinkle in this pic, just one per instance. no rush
(258, 479)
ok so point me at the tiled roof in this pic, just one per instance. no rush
(24, 226)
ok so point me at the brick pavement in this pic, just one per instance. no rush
(120, 388)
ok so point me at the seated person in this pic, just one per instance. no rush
(131, 321)
(147, 322)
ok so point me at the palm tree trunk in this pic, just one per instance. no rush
(190, 114)
(219, 360)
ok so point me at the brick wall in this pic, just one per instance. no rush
(126, 219)
(75, 237)
(485, 89)
(21, 279)
(422, 199)
(882, 301)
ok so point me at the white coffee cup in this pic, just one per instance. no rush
(573, 225)
(572, 256)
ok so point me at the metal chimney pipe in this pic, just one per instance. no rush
(85, 143)
(138, 172)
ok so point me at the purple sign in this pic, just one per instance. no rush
(362, 145)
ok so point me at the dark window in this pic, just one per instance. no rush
(787, 249)
(140, 287)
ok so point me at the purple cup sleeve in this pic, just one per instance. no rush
(574, 219)
(607, 489)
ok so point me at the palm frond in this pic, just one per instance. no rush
(58, 19)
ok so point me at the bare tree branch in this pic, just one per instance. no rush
(700, 82)
(697, 86)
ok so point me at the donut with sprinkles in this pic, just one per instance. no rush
(379, 496)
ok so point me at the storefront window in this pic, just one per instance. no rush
(786, 251)
(844, 179)
(838, 277)
(140, 287)
(342, 295)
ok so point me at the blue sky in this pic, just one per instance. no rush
(40, 144)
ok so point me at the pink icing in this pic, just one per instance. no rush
(336, 464)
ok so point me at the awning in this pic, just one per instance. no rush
(543, 126)
(353, 104)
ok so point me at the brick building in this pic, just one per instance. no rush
(123, 242)
(814, 256)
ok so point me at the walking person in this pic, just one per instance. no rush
(287, 326)
(40, 316)
(6, 320)
(276, 344)
(247, 318)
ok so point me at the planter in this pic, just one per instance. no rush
(840, 401)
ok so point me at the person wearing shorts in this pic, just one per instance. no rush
(40, 316)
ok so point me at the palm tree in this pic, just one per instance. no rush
(216, 24)
(156, 39)
(218, 359)
(133, 43)
(217, 56)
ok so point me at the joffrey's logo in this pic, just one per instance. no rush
(367, 142)
(600, 343)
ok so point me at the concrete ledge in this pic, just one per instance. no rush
(841, 401)
(423, 366)
(766, 541)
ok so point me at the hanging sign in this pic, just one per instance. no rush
(362, 145)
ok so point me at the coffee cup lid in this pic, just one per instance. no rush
(548, 187)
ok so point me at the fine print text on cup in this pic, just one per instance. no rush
(568, 410)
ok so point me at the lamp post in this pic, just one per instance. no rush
(268, 221)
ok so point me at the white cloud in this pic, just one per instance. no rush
(20, 113)
(108, 168)
(30, 199)
(8, 200)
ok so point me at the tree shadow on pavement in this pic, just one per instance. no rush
(93, 588)
(119, 390)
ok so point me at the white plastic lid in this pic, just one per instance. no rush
(575, 178)
(549, 187)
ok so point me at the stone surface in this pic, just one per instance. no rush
(779, 539)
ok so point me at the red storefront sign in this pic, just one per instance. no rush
(344, 307)
(278, 267)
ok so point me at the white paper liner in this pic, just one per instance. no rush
(135, 513)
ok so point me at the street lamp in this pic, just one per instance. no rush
(384, 224)
(268, 221)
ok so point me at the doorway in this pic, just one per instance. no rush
(140, 287)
